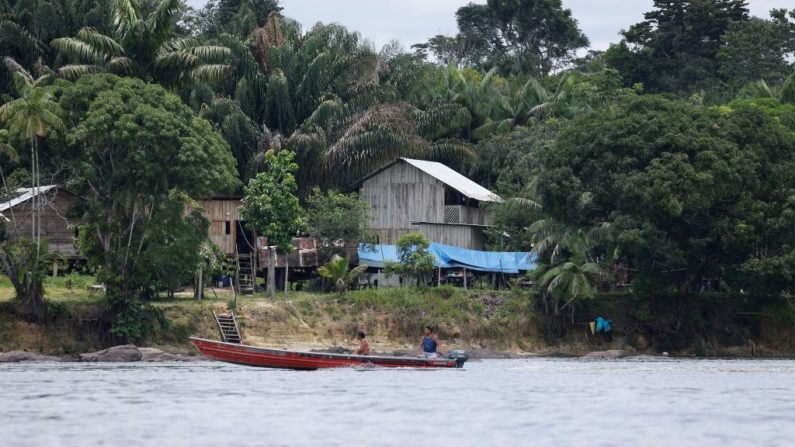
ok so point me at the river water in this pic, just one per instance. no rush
(536, 402)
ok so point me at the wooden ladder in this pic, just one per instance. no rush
(230, 330)
(246, 274)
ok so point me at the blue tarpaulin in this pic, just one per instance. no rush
(448, 256)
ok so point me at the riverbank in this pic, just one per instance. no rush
(490, 324)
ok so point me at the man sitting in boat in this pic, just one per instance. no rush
(364, 346)
(430, 345)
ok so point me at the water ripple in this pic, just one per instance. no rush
(500, 402)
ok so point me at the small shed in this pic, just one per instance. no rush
(55, 205)
(410, 195)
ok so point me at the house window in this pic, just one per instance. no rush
(228, 228)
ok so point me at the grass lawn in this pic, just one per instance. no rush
(56, 289)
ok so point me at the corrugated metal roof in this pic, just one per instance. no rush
(454, 180)
(25, 194)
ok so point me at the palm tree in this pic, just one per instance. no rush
(27, 26)
(337, 270)
(317, 94)
(33, 115)
(567, 282)
(143, 44)
(785, 93)
(484, 97)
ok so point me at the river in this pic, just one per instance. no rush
(538, 402)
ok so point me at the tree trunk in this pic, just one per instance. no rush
(272, 272)
(286, 271)
(200, 287)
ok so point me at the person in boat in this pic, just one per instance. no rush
(430, 346)
(364, 345)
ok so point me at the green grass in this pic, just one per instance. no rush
(55, 289)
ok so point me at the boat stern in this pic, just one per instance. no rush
(460, 356)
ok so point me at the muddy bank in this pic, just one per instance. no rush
(488, 325)
(114, 354)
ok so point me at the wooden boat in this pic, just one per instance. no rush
(275, 358)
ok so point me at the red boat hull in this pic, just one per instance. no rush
(275, 358)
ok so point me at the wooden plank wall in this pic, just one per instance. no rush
(54, 223)
(457, 235)
(219, 212)
(399, 195)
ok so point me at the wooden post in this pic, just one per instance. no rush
(465, 278)
(439, 277)
(234, 291)
(272, 272)
(201, 285)
(54, 269)
(286, 271)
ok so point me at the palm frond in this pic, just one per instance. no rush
(75, 71)
(121, 65)
(787, 95)
(6, 148)
(79, 50)
(355, 273)
(210, 54)
(100, 43)
(327, 114)
(211, 72)
(278, 102)
(532, 93)
(451, 149)
(176, 61)
(19, 76)
(125, 15)
(161, 22)
(20, 37)
(439, 120)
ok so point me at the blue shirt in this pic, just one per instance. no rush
(428, 344)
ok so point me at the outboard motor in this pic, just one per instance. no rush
(460, 356)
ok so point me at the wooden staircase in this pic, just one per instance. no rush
(230, 330)
(246, 274)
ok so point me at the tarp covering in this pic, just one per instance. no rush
(448, 256)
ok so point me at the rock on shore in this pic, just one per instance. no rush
(24, 356)
(158, 355)
(611, 354)
(124, 353)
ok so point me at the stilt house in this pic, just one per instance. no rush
(55, 205)
(409, 195)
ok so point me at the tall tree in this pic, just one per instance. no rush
(674, 49)
(337, 219)
(271, 208)
(533, 37)
(758, 50)
(142, 153)
(237, 17)
(690, 194)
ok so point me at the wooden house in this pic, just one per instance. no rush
(226, 230)
(409, 195)
(55, 204)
